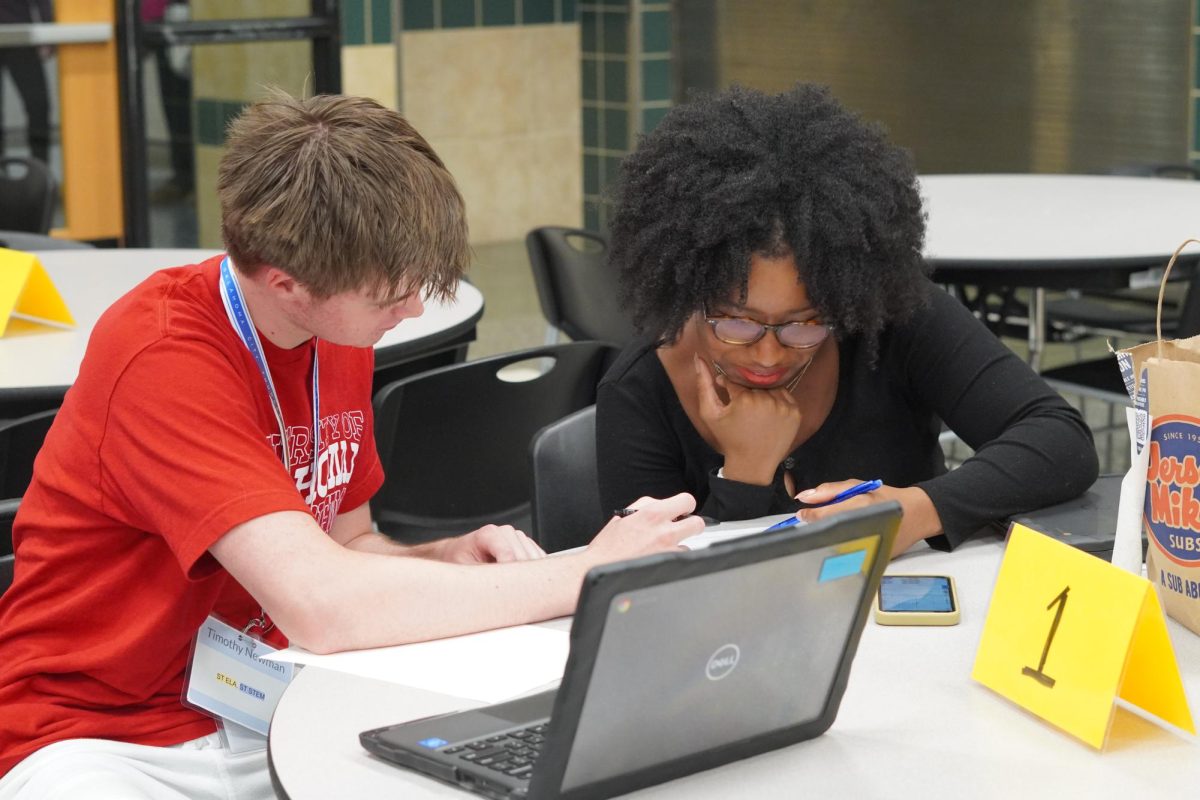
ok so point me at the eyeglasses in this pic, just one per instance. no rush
(743, 331)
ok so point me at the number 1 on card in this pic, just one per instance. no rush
(1037, 674)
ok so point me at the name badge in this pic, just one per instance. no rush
(228, 678)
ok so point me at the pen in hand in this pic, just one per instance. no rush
(625, 512)
(853, 491)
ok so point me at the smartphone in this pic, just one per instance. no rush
(916, 600)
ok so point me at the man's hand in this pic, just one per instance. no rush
(920, 520)
(655, 526)
(754, 430)
(490, 544)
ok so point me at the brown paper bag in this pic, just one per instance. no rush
(1164, 378)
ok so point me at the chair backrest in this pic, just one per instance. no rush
(20, 441)
(566, 489)
(25, 400)
(8, 514)
(28, 194)
(6, 572)
(454, 441)
(576, 288)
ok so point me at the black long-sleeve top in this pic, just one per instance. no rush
(1031, 448)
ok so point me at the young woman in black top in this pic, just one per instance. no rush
(769, 249)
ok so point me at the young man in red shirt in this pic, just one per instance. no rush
(213, 462)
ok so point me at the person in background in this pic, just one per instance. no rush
(214, 460)
(770, 251)
(24, 65)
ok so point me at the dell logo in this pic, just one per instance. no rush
(722, 662)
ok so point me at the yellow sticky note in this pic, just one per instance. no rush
(1067, 633)
(27, 293)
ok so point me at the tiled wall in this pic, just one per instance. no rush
(626, 88)
(531, 103)
(1194, 102)
(226, 77)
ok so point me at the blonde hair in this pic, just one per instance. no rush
(342, 194)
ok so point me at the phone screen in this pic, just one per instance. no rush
(929, 593)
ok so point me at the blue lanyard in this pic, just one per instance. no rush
(239, 318)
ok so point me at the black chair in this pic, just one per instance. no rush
(6, 572)
(8, 514)
(1122, 312)
(20, 441)
(1100, 378)
(576, 288)
(566, 489)
(24, 401)
(454, 442)
(28, 194)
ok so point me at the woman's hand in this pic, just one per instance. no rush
(754, 430)
(920, 520)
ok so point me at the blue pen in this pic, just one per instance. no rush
(853, 491)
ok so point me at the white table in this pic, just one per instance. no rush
(91, 280)
(1055, 232)
(912, 724)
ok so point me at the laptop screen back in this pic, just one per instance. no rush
(708, 661)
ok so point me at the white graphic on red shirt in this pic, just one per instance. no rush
(324, 488)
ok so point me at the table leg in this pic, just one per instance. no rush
(1037, 328)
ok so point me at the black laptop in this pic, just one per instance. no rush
(679, 662)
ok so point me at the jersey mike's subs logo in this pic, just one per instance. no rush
(1172, 501)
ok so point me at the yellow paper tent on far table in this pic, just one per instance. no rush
(28, 299)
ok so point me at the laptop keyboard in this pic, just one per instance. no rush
(513, 753)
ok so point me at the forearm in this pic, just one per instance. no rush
(373, 602)
(380, 544)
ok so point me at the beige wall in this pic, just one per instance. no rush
(499, 104)
(240, 72)
(501, 107)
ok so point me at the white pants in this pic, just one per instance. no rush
(98, 769)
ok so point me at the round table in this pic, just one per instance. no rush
(912, 724)
(1055, 232)
(91, 280)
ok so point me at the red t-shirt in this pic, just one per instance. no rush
(165, 442)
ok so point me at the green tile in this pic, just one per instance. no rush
(616, 129)
(1196, 124)
(651, 117)
(591, 216)
(417, 15)
(381, 21)
(656, 79)
(610, 170)
(591, 174)
(229, 112)
(615, 88)
(354, 27)
(591, 127)
(1196, 62)
(614, 32)
(537, 12)
(589, 40)
(569, 11)
(458, 14)
(589, 79)
(656, 32)
(499, 12)
(208, 121)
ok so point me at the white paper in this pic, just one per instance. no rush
(489, 667)
(1127, 544)
(724, 531)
